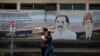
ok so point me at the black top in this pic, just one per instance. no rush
(49, 38)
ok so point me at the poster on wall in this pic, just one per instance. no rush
(63, 25)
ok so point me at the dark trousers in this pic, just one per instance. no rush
(49, 50)
(43, 49)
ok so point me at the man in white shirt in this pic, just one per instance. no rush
(62, 31)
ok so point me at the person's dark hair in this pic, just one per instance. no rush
(67, 19)
(49, 33)
(45, 29)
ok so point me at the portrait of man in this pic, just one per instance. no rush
(88, 28)
(61, 28)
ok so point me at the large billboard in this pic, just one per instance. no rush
(53, 20)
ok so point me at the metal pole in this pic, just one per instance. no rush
(12, 31)
(45, 13)
(12, 44)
